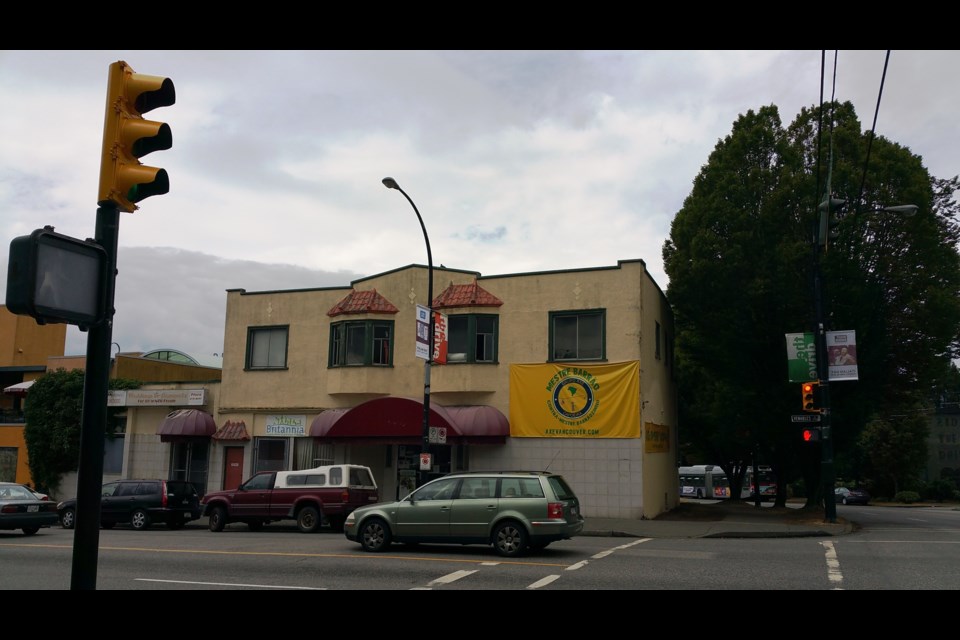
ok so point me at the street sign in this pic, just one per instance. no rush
(807, 417)
(438, 435)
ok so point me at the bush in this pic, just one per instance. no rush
(907, 497)
(939, 490)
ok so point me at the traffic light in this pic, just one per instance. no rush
(829, 209)
(811, 435)
(809, 392)
(127, 137)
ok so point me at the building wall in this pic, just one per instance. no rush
(25, 347)
(943, 444)
(614, 477)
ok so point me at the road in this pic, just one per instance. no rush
(904, 549)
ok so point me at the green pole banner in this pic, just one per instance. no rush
(801, 357)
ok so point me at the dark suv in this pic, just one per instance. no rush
(140, 503)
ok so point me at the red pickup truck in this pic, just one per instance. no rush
(308, 496)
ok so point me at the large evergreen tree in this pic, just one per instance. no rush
(740, 257)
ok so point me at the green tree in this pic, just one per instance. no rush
(740, 260)
(896, 450)
(53, 414)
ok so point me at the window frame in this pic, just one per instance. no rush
(338, 350)
(578, 313)
(249, 365)
(472, 319)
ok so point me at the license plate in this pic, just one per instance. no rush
(33, 508)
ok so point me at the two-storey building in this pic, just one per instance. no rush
(568, 370)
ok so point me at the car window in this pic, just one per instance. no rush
(360, 477)
(148, 488)
(478, 488)
(109, 489)
(560, 488)
(530, 488)
(16, 492)
(438, 490)
(258, 482)
(336, 476)
(127, 489)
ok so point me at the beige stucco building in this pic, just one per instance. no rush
(315, 376)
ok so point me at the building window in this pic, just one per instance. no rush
(472, 338)
(267, 347)
(270, 454)
(361, 343)
(577, 335)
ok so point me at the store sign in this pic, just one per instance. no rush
(286, 425)
(156, 397)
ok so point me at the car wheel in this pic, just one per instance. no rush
(218, 519)
(374, 535)
(509, 539)
(140, 519)
(29, 531)
(255, 525)
(68, 518)
(308, 520)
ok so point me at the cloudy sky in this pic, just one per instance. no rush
(517, 160)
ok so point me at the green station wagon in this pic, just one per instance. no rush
(515, 511)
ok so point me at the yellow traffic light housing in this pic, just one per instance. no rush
(808, 393)
(127, 137)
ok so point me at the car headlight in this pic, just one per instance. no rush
(350, 519)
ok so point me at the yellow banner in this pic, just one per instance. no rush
(579, 401)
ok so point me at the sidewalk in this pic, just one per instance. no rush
(722, 520)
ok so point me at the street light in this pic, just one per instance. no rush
(390, 183)
(821, 236)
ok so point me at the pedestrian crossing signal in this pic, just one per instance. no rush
(811, 435)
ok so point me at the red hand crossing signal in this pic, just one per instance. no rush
(811, 435)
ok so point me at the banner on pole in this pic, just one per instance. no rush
(801, 357)
(842, 355)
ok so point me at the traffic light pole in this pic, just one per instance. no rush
(827, 479)
(86, 537)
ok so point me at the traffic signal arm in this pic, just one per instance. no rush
(127, 137)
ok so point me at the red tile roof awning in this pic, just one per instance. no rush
(186, 423)
(232, 431)
(394, 420)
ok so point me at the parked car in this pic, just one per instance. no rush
(140, 503)
(515, 511)
(20, 508)
(851, 496)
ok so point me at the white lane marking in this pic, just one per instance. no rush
(232, 584)
(833, 565)
(452, 577)
(542, 582)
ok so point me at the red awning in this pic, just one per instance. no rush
(480, 420)
(232, 431)
(186, 423)
(393, 420)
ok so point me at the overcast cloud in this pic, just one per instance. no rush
(517, 160)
